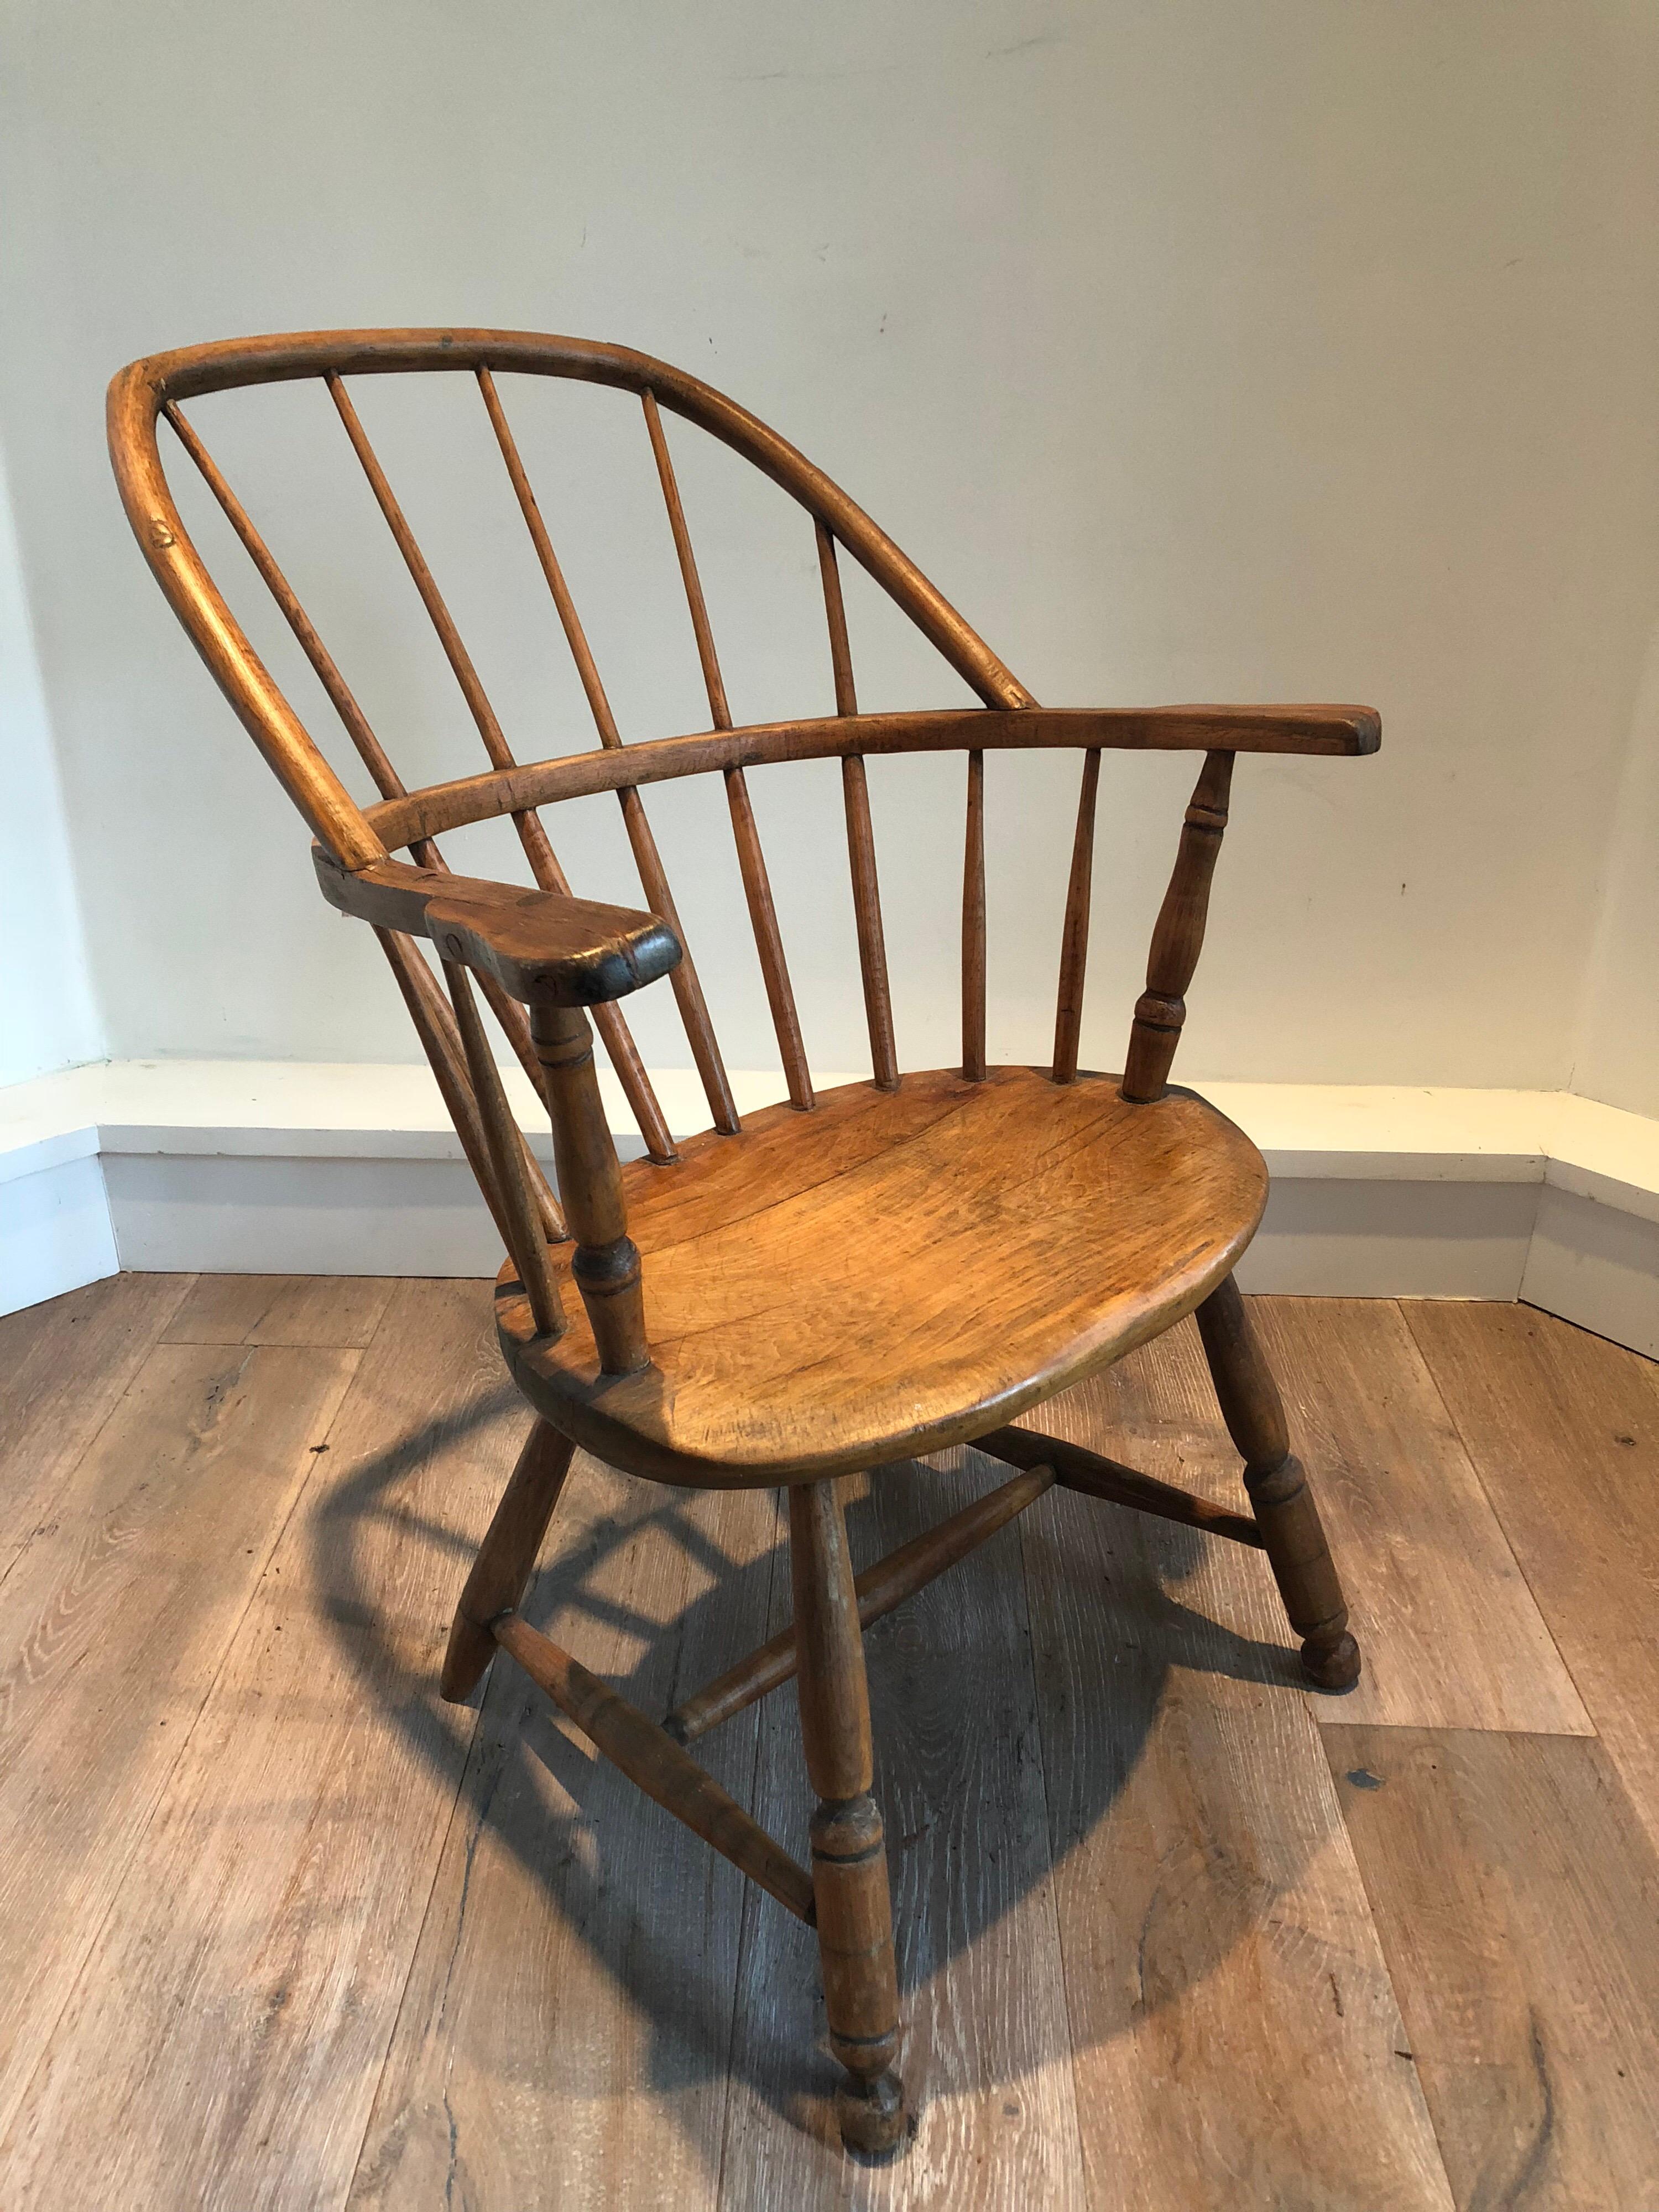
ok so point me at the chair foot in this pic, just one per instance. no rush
(1331, 1662)
(872, 2113)
(469, 1651)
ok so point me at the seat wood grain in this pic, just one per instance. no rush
(895, 1271)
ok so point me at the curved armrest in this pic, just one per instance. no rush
(543, 950)
(1310, 729)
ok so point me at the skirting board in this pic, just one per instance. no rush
(57, 1231)
(274, 1169)
(1597, 1265)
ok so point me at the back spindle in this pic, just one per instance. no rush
(861, 835)
(369, 750)
(507, 1158)
(973, 926)
(1178, 937)
(435, 1025)
(544, 864)
(1074, 937)
(751, 861)
(686, 986)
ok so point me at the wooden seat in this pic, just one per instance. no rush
(839, 1283)
(1024, 1234)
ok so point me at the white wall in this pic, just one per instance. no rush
(1208, 351)
(47, 1016)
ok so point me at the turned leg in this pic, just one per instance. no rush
(506, 1558)
(849, 1857)
(1286, 1512)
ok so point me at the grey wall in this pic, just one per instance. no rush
(1207, 351)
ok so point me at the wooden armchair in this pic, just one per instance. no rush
(849, 1281)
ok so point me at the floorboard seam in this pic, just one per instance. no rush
(1082, 2163)
(459, 1809)
(1388, 1963)
(115, 1406)
(136, 1836)
(456, 1805)
(1060, 1945)
(1473, 1458)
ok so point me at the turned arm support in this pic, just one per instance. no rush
(1178, 934)
(556, 954)
(607, 1261)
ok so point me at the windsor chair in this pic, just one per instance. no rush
(833, 1285)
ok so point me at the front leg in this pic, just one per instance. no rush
(1291, 1533)
(850, 1855)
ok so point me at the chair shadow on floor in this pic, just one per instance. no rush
(959, 1723)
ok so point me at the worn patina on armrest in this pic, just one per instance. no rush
(543, 949)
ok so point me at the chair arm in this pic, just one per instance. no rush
(1311, 729)
(543, 949)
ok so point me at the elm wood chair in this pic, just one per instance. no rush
(829, 1286)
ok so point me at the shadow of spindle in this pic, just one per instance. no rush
(933, 1690)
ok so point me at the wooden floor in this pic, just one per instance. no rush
(279, 1928)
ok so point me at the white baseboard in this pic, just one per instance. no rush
(234, 1215)
(1596, 1264)
(56, 1231)
(1337, 1236)
(243, 1167)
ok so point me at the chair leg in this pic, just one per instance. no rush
(506, 1558)
(849, 1856)
(1291, 1533)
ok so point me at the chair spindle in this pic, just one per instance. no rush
(1178, 936)
(435, 1025)
(531, 835)
(685, 984)
(751, 861)
(607, 1261)
(757, 890)
(1074, 937)
(507, 1156)
(714, 683)
(544, 865)
(973, 926)
(861, 834)
(598, 704)
(449, 637)
(834, 612)
(387, 782)
(369, 749)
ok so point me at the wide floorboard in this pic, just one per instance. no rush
(280, 1928)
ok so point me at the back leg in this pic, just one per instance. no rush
(1286, 1513)
(506, 1558)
